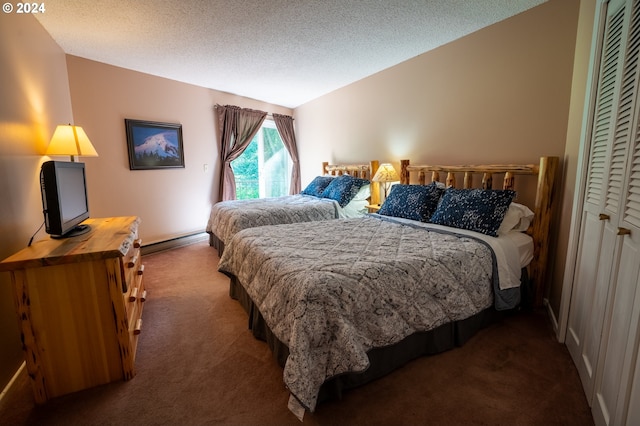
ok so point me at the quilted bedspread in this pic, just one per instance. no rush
(333, 290)
(229, 217)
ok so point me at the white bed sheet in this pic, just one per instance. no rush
(524, 244)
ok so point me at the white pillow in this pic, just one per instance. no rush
(363, 193)
(518, 218)
(355, 208)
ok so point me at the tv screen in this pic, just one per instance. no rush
(64, 198)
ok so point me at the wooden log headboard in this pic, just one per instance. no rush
(363, 171)
(539, 230)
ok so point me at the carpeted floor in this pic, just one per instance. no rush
(198, 364)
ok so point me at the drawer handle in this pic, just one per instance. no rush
(134, 294)
(144, 296)
(133, 261)
(137, 243)
(138, 327)
(141, 270)
(624, 231)
(603, 216)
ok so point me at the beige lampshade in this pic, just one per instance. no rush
(386, 173)
(70, 140)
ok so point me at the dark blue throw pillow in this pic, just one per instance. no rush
(480, 210)
(416, 202)
(317, 185)
(343, 188)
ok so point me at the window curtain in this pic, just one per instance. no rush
(236, 127)
(284, 124)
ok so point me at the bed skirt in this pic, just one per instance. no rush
(216, 243)
(382, 360)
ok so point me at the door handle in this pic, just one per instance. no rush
(624, 231)
(604, 216)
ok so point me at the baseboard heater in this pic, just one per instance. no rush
(185, 240)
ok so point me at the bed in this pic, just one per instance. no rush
(343, 302)
(229, 217)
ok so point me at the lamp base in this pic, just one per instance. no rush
(385, 186)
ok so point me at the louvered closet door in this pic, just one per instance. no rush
(633, 414)
(603, 330)
(601, 206)
(617, 361)
(629, 407)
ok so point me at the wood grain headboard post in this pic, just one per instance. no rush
(543, 208)
(545, 201)
(363, 171)
(404, 172)
(375, 186)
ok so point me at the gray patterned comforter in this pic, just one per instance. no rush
(229, 217)
(333, 290)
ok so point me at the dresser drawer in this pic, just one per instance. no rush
(135, 294)
(134, 310)
(131, 264)
(135, 289)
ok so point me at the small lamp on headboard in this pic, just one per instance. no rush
(386, 174)
(70, 140)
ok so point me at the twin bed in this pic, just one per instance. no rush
(342, 302)
(229, 217)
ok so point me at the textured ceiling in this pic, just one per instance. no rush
(285, 52)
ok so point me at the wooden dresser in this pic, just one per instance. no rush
(79, 303)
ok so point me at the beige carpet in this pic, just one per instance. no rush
(197, 364)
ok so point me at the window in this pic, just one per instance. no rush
(264, 168)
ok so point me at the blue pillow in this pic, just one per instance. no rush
(343, 188)
(317, 185)
(416, 202)
(480, 210)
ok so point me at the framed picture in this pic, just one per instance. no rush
(154, 145)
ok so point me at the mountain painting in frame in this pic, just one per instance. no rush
(154, 145)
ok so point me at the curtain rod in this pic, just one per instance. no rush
(269, 114)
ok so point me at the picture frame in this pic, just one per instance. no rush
(154, 145)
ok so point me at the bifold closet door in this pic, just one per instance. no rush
(617, 361)
(603, 319)
(633, 414)
(600, 211)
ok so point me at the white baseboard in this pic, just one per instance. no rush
(12, 381)
(554, 319)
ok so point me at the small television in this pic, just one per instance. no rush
(64, 198)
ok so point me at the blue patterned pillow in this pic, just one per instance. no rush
(317, 185)
(343, 189)
(480, 210)
(416, 202)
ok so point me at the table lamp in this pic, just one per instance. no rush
(386, 174)
(70, 140)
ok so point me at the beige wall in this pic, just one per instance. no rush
(501, 94)
(35, 98)
(171, 202)
(571, 155)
